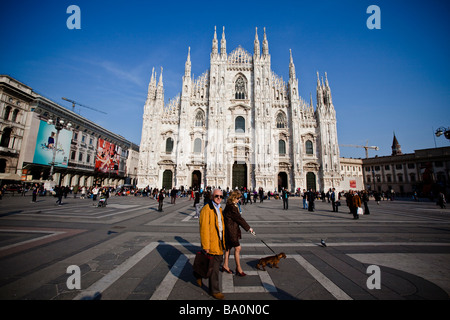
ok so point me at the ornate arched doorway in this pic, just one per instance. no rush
(239, 175)
(311, 181)
(196, 179)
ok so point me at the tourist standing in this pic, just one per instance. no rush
(233, 222)
(212, 238)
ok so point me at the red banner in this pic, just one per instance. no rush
(107, 158)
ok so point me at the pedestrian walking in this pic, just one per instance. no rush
(161, 200)
(83, 192)
(34, 192)
(365, 200)
(311, 196)
(441, 200)
(333, 200)
(212, 238)
(356, 203)
(197, 204)
(285, 196)
(173, 195)
(59, 195)
(94, 195)
(305, 200)
(233, 221)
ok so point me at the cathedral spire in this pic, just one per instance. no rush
(160, 88)
(187, 69)
(256, 47)
(223, 44)
(291, 66)
(215, 48)
(265, 44)
(152, 86)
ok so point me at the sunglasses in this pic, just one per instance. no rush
(218, 196)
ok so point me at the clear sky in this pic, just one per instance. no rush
(392, 79)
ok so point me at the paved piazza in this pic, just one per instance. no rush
(129, 250)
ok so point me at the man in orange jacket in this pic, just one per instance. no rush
(212, 235)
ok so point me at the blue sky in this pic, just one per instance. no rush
(392, 79)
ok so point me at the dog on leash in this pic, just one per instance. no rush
(272, 261)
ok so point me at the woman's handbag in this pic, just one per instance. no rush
(359, 211)
(203, 264)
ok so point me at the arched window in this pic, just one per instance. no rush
(200, 119)
(14, 115)
(281, 147)
(239, 125)
(309, 147)
(7, 112)
(198, 145)
(240, 92)
(169, 145)
(6, 136)
(281, 120)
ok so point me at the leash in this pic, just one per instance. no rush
(254, 234)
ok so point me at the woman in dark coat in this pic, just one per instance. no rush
(233, 219)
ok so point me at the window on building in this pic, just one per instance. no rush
(14, 115)
(400, 178)
(309, 147)
(80, 157)
(169, 145)
(411, 165)
(197, 145)
(387, 167)
(281, 147)
(412, 177)
(7, 112)
(388, 178)
(88, 158)
(240, 92)
(398, 166)
(239, 125)
(72, 155)
(6, 137)
(200, 119)
(281, 120)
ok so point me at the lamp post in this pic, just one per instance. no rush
(443, 131)
(59, 124)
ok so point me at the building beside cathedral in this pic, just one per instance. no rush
(239, 124)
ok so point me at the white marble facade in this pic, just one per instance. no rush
(239, 124)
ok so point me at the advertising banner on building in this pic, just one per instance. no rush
(46, 145)
(108, 157)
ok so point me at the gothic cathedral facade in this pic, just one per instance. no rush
(239, 125)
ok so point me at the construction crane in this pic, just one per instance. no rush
(366, 147)
(76, 103)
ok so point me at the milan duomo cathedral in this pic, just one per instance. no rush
(239, 124)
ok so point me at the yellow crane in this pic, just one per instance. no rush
(366, 147)
(76, 103)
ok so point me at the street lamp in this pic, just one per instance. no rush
(443, 131)
(59, 124)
